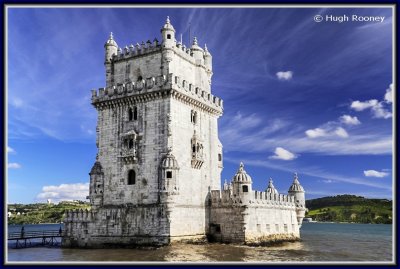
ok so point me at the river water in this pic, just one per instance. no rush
(331, 242)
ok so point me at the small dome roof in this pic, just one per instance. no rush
(169, 161)
(96, 169)
(111, 41)
(271, 187)
(168, 25)
(195, 45)
(241, 175)
(296, 187)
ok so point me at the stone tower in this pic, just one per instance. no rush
(157, 137)
(156, 178)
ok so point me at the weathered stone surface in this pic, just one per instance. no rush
(156, 178)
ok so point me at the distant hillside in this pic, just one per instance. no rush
(350, 208)
(41, 213)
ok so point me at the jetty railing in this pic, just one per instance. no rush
(30, 238)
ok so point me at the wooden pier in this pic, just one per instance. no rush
(35, 238)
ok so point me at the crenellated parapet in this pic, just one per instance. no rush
(157, 87)
(257, 198)
(138, 50)
(78, 215)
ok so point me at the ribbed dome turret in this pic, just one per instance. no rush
(168, 25)
(241, 175)
(296, 187)
(96, 169)
(195, 45)
(111, 41)
(169, 161)
(271, 187)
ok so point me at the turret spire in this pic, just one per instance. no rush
(271, 187)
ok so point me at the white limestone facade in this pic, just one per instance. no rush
(157, 173)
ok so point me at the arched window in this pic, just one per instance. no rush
(135, 113)
(140, 78)
(169, 174)
(219, 157)
(194, 148)
(195, 117)
(130, 114)
(130, 143)
(168, 36)
(245, 188)
(131, 177)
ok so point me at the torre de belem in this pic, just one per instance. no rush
(157, 175)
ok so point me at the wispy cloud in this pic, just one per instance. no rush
(258, 135)
(374, 173)
(10, 150)
(14, 166)
(283, 154)
(284, 75)
(64, 192)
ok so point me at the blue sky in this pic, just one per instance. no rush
(299, 96)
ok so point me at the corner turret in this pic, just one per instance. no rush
(168, 34)
(111, 48)
(207, 59)
(242, 183)
(169, 174)
(297, 191)
(271, 188)
(197, 52)
(96, 187)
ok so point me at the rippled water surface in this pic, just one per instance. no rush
(320, 242)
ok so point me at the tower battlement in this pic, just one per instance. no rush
(157, 87)
(226, 197)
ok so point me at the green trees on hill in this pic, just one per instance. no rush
(41, 213)
(350, 208)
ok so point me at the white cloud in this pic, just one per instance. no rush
(349, 120)
(10, 150)
(374, 173)
(389, 94)
(360, 106)
(341, 132)
(380, 112)
(327, 131)
(14, 166)
(317, 132)
(288, 75)
(283, 154)
(378, 109)
(64, 192)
